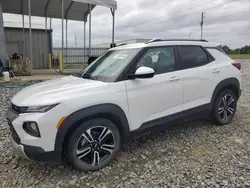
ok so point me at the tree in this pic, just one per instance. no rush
(227, 49)
(243, 50)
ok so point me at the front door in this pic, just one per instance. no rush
(153, 98)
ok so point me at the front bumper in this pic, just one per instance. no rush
(18, 147)
(35, 153)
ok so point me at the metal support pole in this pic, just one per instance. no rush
(23, 34)
(84, 40)
(51, 42)
(239, 53)
(202, 23)
(75, 41)
(46, 30)
(31, 55)
(23, 37)
(90, 29)
(62, 1)
(46, 34)
(113, 28)
(46, 25)
(66, 40)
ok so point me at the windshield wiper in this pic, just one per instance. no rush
(76, 74)
(88, 76)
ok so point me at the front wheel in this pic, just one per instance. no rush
(93, 145)
(224, 107)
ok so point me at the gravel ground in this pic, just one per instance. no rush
(194, 154)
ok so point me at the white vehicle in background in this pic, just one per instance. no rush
(128, 90)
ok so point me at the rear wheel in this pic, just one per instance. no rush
(93, 145)
(224, 107)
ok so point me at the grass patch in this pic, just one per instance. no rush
(241, 56)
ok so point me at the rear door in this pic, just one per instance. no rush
(198, 71)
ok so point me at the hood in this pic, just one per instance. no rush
(57, 90)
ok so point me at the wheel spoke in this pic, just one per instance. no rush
(108, 147)
(230, 101)
(104, 133)
(221, 109)
(84, 141)
(230, 110)
(225, 115)
(224, 100)
(87, 135)
(96, 158)
(83, 152)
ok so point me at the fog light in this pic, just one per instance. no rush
(31, 128)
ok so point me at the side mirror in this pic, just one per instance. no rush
(144, 72)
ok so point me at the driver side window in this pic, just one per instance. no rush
(161, 59)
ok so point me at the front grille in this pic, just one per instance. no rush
(14, 134)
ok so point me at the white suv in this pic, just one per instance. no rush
(126, 91)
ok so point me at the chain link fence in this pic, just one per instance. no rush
(76, 55)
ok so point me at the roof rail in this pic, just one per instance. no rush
(162, 40)
(122, 44)
(154, 40)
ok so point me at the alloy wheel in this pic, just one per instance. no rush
(95, 145)
(226, 107)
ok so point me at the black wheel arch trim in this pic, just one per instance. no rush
(225, 83)
(109, 111)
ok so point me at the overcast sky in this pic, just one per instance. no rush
(226, 21)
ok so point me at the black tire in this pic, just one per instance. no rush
(80, 142)
(222, 112)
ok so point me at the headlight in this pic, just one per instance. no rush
(37, 109)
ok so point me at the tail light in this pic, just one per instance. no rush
(237, 65)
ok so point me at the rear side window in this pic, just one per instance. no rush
(192, 56)
(219, 55)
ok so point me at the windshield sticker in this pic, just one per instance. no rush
(120, 56)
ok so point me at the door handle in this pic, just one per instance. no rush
(216, 71)
(173, 79)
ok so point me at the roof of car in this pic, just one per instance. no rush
(168, 42)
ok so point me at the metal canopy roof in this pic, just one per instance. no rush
(77, 10)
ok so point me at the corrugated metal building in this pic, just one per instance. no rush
(17, 43)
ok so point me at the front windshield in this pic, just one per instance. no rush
(109, 66)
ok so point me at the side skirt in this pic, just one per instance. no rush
(164, 122)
